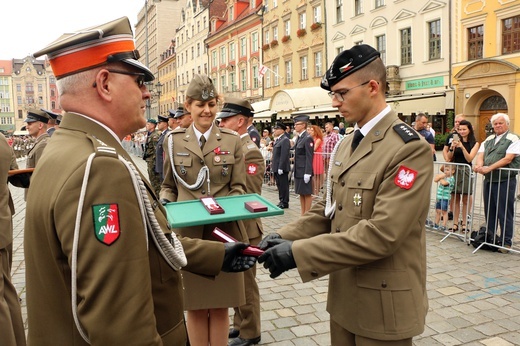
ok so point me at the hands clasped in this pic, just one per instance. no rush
(278, 257)
(306, 178)
(234, 261)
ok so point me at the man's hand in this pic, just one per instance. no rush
(234, 261)
(306, 178)
(264, 243)
(280, 172)
(278, 258)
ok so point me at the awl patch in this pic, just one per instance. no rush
(106, 223)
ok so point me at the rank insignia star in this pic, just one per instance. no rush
(357, 199)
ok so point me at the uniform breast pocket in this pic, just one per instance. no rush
(182, 164)
(386, 303)
(360, 194)
(221, 171)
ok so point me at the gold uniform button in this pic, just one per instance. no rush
(383, 284)
(340, 207)
(343, 183)
(203, 192)
(201, 162)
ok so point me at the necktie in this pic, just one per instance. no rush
(202, 142)
(358, 136)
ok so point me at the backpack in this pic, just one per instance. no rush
(479, 237)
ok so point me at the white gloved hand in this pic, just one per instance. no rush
(306, 178)
(280, 172)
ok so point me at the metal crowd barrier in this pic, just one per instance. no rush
(487, 206)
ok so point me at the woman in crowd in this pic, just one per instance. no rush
(317, 161)
(205, 160)
(462, 150)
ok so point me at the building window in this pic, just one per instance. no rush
(317, 65)
(379, 3)
(275, 33)
(232, 51)
(198, 49)
(266, 38)
(255, 77)
(475, 42)
(214, 62)
(434, 39)
(381, 47)
(19, 100)
(18, 87)
(511, 35)
(316, 14)
(339, 50)
(287, 28)
(339, 11)
(275, 4)
(358, 7)
(192, 53)
(223, 83)
(303, 21)
(230, 17)
(243, 80)
(267, 80)
(276, 81)
(232, 81)
(406, 46)
(254, 42)
(243, 46)
(304, 68)
(40, 88)
(288, 71)
(223, 59)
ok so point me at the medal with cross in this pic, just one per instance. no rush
(357, 199)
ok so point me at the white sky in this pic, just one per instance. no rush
(30, 25)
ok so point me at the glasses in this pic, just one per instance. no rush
(340, 95)
(298, 124)
(140, 80)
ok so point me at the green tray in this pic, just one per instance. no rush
(193, 213)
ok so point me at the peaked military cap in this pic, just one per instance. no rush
(234, 106)
(162, 118)
(301, 117)
(94, 46)
(151, 121)
(180, 112)
(348, 62)
(58, 119)
(280, 125)
(201, 88)
(51, 114)
(37, 115)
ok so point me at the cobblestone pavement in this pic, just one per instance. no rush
(474, 298)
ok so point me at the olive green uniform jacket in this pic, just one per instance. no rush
(126, 292)
(374, 247)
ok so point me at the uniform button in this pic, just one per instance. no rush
(182, 162)
(343, 183)
(203, 192)
(340, 207)
(383, 284)
(201, 162)
(337, 229)
(314, 274)
(359, 183)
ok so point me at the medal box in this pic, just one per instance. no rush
(255, 206)
(193, 213)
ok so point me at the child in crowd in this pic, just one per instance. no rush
(445, 183)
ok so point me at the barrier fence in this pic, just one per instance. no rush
(482, 209)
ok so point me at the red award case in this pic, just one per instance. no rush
(255, 206)
(211, 205)
(226, 238)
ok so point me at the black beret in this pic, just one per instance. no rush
(348, 62)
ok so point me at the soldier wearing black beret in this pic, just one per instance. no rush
(368, 232)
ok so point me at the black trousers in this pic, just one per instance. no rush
(282, 183)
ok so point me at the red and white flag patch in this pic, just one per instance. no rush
(252, 168)
(405, 177)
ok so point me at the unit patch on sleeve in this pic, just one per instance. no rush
(405, 177)
(106, 223)
(252, 168)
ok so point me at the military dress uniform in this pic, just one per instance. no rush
(222, 154)
(159, 153)
(150, 307)
(253, 133)
(303, 155)
(149, 155)
(11, 323)
(280, 160)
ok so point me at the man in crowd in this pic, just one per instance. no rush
(280, 164)
(376, 261)
(53, 121)
(152, 138)
(37, 127)
(183, 118)
(331, 139)
(500, 150)
(265, 136)
(162, 125)
(420, 125)
(102, 264)
(172, 122)
(246, 322)
(341, 128)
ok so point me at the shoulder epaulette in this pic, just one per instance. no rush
(228, 131)
(406, 133)
(179, 130)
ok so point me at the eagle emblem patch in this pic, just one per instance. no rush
(405, 177)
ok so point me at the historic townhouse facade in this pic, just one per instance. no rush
(167, 79)
(191, 50)
(487, 65)
(7, 118)
(234, 49)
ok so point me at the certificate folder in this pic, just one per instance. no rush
(193, 213)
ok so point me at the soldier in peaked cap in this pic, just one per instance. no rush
(162, 126)
(280, 163)
(52, 121)
(183, 117)
(303, 156)
(108, 244)
(205, 160)
(172, 122)
(246, 323)
(37, 121)
(353, 234)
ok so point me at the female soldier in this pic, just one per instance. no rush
(205, 160)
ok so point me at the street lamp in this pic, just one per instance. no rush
(158, 90)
